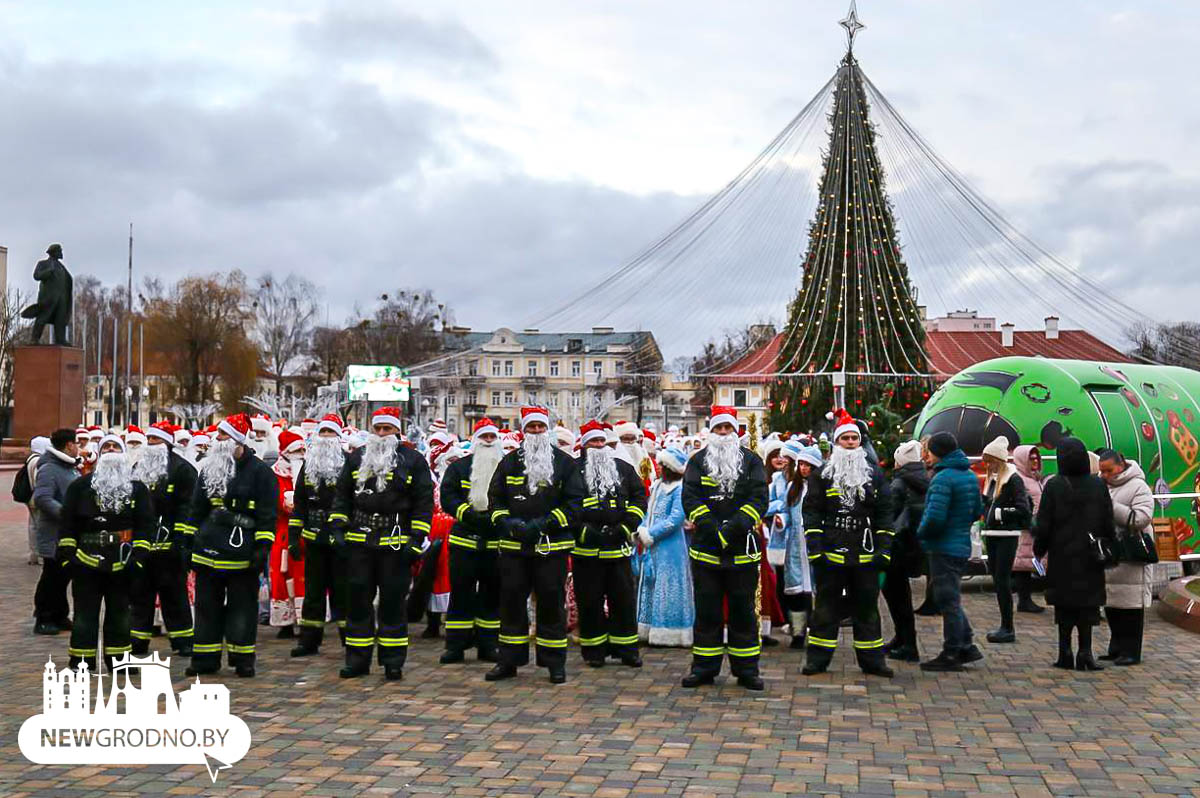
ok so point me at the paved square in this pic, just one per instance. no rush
(1011, 726)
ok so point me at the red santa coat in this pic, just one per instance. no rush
(285, 603)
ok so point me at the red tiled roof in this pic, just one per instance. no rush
(750, 368)
(951, 352)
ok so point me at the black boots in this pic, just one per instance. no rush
(303, 651)
(502, 670)
(751, 682)
(349, 672)
(393, 673)
(558, 674)
(451, 657)
(1085, 662)
(695, 679)
(1002, 635)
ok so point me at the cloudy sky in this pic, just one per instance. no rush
(507, 154)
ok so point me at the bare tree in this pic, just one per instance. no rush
(10, 330)
(330, 352)
(405, 329)
(284, 311)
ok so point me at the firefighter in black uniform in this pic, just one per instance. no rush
(171, 480)
(232, 525)
(724, 495)
(847, 520)
(324, 556)
(473, 617)
(384, 504)
(535, 499)
(104, 538)
(614, 505)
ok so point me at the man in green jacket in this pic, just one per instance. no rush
(952, 505)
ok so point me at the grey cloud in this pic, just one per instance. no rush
(377, 32)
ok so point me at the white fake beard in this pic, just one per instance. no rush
(217, 467)
(291, 465)
(849, 472)
(723, 460)
(600, 471)
(258, 447)
(323, 464)
(112, 481)
(151, 466)
(539, 460)
(632, 453)
(484, 459)
(379, 458)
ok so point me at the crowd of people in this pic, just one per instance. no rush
(615, 535)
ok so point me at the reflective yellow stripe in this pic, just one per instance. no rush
(392, 642)
(465, 484)
(216, 501)
(66, 541)
(884, 532)
(295, 522)
(721, 537)
(612, 554)
(81, 652)
(515, 480)
(593, 641)
(711, 651)
(822, 642)
(697, 512)
(590, 501)
(865, 558)
(457, 540)
(578, 552)
(551, 642)
(514, 640)
(834, 557)
(338, 517)
(360, 642)
(633, 508)
(561, 545)
(750, 511)
(814, 531)
(308, 534)
(498, 514)
(188, 632)
(508, 545)
(87, 559)
(814, 556)
(235, 649)
(264, 534)
(482, 624)
(110, 650)
(220, 565)
(356, 537)
(707, 480)
(702, 557)
(752, 651)
(311, 623)
(138, 634)
(460, 624)
(622, 640)
(142, 544)
(250, 504)
(421, 525)
(560, 516)
(743, 559)
(461, 511)
(206, 648)
(869, 644)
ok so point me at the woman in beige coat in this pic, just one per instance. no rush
(1128, 583)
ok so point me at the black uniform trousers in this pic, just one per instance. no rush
(473, 617)
(597, 581)
(382, 569)
(164, 578)
(546, 577)
(861, 586)
(1125, 627)
(226, 612)
(324, 576)
(715, 587)
(90, 587)
(898, 594)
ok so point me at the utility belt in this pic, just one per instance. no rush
(606, 541)
(227, 532)
(105, 538)
(850, 540)
(313, 526)
(465, 540)
(377, 529)
(162, 536)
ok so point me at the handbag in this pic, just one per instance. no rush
(1101, 551)
(1136, 546)
(977, 541)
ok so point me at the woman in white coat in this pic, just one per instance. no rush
(1128, 584)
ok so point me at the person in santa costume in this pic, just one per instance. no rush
(848, 531)
(630, 449)
(725, 496)
(436, 557)
(311, 538)
(286, 575)
(171, 481)
(613, 506)
(232, 524)
(535, 498)
(473, 615)
(383, 506)
(565, 439)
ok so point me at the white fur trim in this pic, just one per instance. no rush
(228, 429)
(592, 434)
(384, 418)
(535, 416)
(723, 418)
(161, 434)
(627, 428)
(844, 428)
(110, 438)
(492, 428)
(135, 437)
(260, 424)
(329, 425)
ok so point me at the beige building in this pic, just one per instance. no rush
(576, 375)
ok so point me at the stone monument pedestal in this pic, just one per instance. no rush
(47, 389)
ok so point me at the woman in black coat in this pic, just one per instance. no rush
(910, 481)
(1075, 507)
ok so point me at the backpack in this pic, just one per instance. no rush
(22, 489)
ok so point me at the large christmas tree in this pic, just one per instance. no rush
(855, 315)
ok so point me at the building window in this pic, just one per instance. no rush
(575, 399)
(495, 398)
(509, 399)
(472, 397)
(452, 425)
(452, 399)
(739, 397)
(495, 368)
(508, 368)
(553, 368)
(598, 368)
(552, 399)
(531, 368)
(576, 368)
(473, 368)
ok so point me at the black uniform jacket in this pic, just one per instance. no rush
(535, 522)
(726, 524)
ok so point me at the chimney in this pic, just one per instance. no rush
(602, 331)
(1006, 334)
(1052, 328)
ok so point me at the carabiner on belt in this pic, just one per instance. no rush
(751, 543)
(868, 541)
(163, 534)
(236, 533)
(395, 544)
(626, 549)
(124, 552)
(543, 548)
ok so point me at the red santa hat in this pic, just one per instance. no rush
(722, 414)
(513, 438)
(843, 423)
(564, 436)
(110, 438)
(95, 433)
(310, 424)
(532, 413)
(331, 422)
(202, 438)
(592, 430)
(624, 428)
(290, 442)
(81, 431)
(438, 425)
(182, 435)
(384, 415)
(484, 426)
(260, 422)
(134, 434)
(648, 434)
(236, 426)
(163, 430)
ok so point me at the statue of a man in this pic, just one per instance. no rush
(53, 304)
